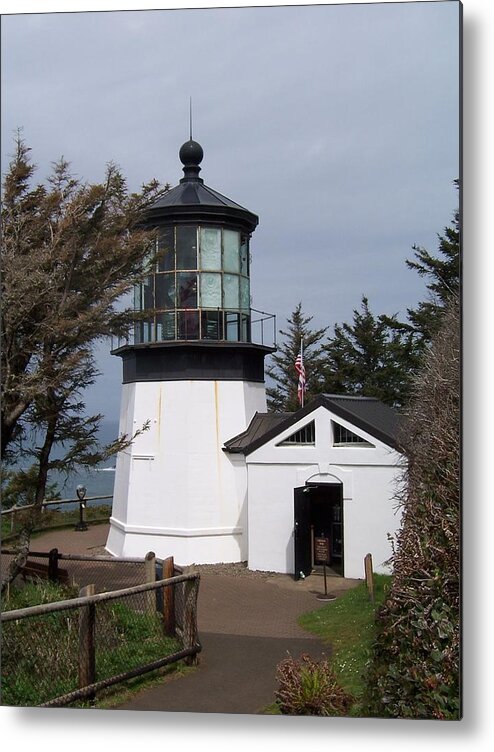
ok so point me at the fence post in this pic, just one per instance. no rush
(87, 644)
(53, 565)
(169, 598)
(150, 576)
(369, 578)
(190, 617)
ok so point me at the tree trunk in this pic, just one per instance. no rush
(22, 548)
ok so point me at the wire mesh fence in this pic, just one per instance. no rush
(105, 572)
(77, 642)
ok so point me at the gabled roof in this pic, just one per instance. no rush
(260, 425)
(367, 413)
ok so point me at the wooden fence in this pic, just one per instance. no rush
(173, 598)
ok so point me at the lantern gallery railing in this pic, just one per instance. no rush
(256, 327)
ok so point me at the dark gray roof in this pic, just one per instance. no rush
(195, 194)
(367, 413)
(260, 424)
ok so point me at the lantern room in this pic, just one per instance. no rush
(199, 288)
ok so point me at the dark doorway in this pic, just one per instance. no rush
(318, 513)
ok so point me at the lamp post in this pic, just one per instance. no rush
(81, 493)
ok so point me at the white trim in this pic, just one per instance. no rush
(327, 473)
(175, 532)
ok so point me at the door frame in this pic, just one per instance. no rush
(302, 527)
(302, 555)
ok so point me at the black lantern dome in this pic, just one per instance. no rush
(192, 200)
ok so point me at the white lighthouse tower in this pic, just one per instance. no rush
(195, 375)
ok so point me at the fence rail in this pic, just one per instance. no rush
(60, 652)
(16, 512)
(53, 502)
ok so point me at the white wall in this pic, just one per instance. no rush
(176, 492)
(369, 477)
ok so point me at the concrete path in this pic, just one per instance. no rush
(247, 624)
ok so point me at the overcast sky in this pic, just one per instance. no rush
(338, 125)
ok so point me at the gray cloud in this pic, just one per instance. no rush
(338, 125)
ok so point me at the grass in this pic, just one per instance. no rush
(40, 655)
(348, 624)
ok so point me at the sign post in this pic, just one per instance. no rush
(323, 556)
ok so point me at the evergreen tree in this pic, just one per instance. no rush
(442, 273)
(368, 357)
(283, 396)
(69, 253)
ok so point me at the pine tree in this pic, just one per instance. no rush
(70, 251)
(442, 273)
(369, 358)
(283, 396)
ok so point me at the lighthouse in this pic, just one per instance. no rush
(194, 376)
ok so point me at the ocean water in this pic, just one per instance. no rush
(98, 481)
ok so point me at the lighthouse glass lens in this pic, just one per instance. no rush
(144, 331)
(186, 247)
(210, 248)
(230, 291)
(147, 295)
(165, 291)
(188, 324)
(244, 293)
(165, 326)
(186, 290)
(166, 250)
(210, 290)
(137, 297)
(231, 251)
(212, 325)
(232, 325)
(244, 257)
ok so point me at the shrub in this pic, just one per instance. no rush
(309, 687)
(415, 671)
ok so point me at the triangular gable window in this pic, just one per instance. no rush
(305, 435)
(344, 437)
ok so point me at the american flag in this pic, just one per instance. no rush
(300, 368)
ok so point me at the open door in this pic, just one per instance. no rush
(303, 563)
(318, 513)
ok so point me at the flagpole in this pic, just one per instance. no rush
(302, 358)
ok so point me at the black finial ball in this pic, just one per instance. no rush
(191, 153)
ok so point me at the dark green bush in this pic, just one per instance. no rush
(309, 687)
(415, 668)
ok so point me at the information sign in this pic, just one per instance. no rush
(321, 550)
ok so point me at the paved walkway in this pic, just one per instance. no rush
(246, 626)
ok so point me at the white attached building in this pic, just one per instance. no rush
(329, 470)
